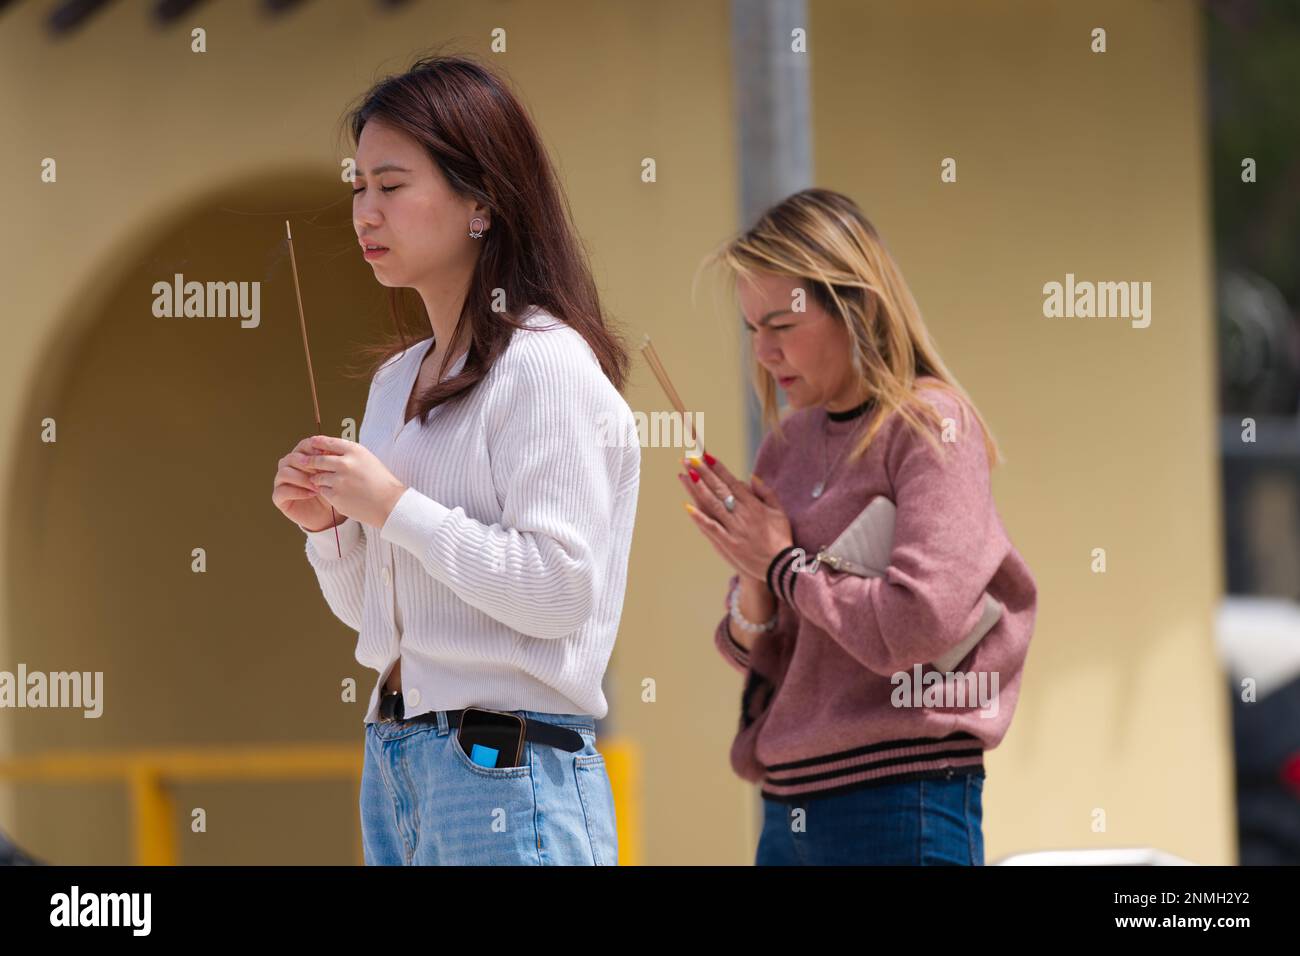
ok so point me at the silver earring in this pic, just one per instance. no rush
(475, 231)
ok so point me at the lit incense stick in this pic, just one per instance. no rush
(293, 264)
(656, 366)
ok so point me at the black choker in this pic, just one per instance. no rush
(844, 416)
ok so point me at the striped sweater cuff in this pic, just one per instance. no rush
(781, 576)
(733, 651)
(324, 543)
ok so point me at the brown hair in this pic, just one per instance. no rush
(823, 236)
(487, 146)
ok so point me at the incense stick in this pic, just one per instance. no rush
(661, 373)
(311, 376)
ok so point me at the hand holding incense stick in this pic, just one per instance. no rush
(311, 376)
(656, 366)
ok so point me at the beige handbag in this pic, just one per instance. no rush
(864, 547)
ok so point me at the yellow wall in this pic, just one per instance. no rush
(1068, 161)
(168, 434)
(172, 161)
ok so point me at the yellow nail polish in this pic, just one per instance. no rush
(696, 462)
(689, 507)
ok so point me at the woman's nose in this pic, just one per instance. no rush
(765, 350)
(365, 213)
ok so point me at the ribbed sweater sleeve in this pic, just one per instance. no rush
(342, 579)
(947, 546)
(535, 569)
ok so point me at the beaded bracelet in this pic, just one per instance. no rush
(747, 625)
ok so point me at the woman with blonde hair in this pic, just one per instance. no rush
(879, 612)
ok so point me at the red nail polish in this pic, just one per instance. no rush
(695, 475)
(710, 460)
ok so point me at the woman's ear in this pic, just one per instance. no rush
(484, 213)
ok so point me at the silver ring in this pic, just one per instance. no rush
(729, 502)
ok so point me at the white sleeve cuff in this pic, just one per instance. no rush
(349, 532)
(413, 522)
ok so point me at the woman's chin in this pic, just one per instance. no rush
(798, 400)
(794, 397)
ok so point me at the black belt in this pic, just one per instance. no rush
(391, 710)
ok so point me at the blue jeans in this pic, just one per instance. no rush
(425, 803)
(916, 822)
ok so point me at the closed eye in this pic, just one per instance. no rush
(382, 189)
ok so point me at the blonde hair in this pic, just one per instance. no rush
(823, 237)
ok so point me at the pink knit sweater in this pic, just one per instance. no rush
(840, 694)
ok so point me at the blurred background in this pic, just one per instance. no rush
(1253, 51)
(1161, 700)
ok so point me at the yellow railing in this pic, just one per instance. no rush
(149, 775)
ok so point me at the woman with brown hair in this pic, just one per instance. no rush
(485, 517)
(879, 612)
